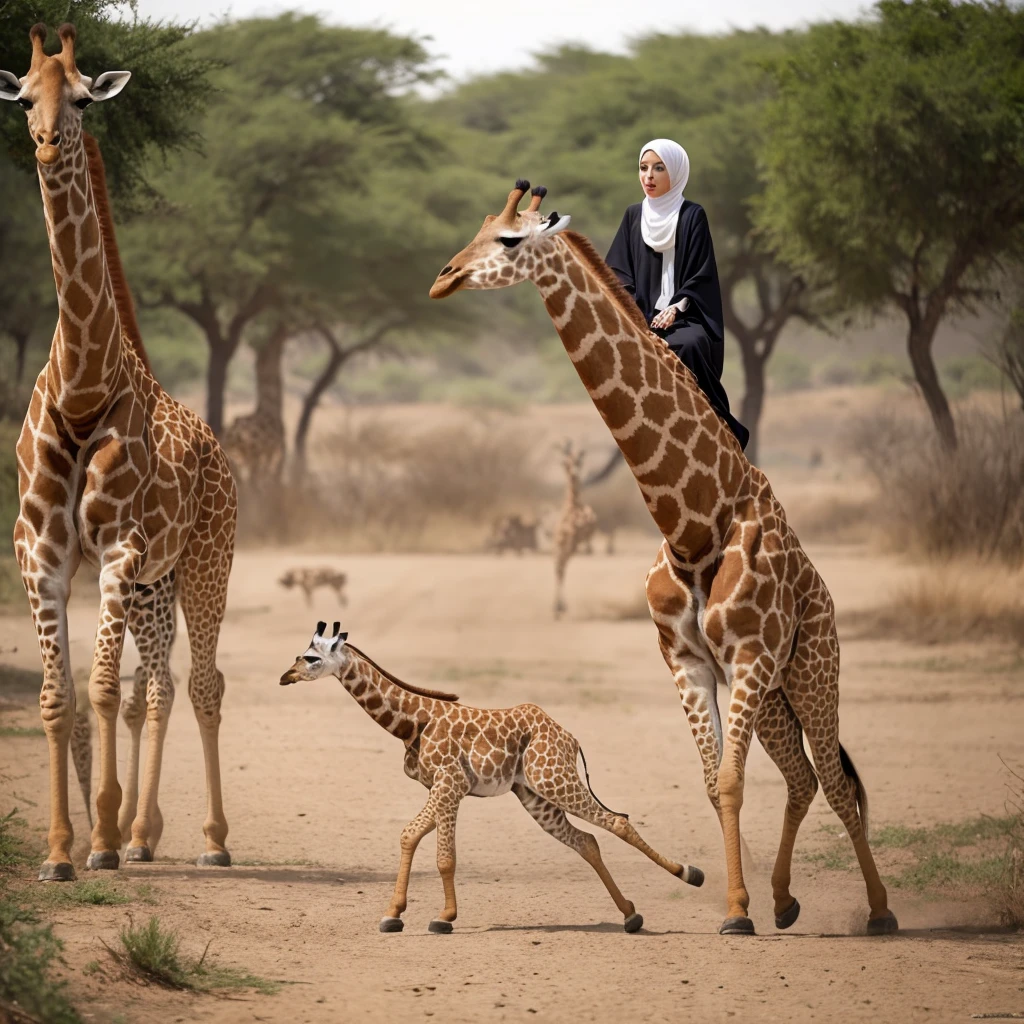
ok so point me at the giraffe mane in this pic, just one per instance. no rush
(584, 248)
(122, 293)
(418, 690)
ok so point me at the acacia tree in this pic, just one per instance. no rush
(302, 115)
(894, 163)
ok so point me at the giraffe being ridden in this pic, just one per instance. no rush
(112, 470)
(458, 751)
(735, 598)
(574, 530)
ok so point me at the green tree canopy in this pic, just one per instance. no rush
(894, 163)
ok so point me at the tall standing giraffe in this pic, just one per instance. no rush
(735, 598)
(576, 523)
(112, 470)
(255, 442)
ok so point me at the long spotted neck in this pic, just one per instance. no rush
(393, 708)
(86, 355)
(269, 388)
(689, 468)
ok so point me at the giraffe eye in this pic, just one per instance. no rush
(83, 102)
(510, 243)
(24, 103)
(310, 659)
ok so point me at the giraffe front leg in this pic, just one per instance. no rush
(450, 791)
(117, 585)
(752, 677)
(46, 572)
(423, 824)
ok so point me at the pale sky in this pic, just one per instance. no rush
(489, 35)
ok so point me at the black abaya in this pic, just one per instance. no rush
(697, 335)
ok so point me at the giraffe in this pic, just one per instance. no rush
(574, 530)
(456, 751)
(114, 471)
(308, 580)
(255, 443)
(735, 598)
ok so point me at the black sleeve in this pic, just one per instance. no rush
(697, 273)
(620, 256)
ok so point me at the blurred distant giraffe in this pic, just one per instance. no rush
(255, 442)
(113, 470)
(576, 524)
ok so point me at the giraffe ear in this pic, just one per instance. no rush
(108, 85)
(10, 86)
(555, 224)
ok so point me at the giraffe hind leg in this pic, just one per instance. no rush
(553, 820)
(781, 735)
(153, 625)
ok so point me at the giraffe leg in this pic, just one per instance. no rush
(46, 572)
(202, 583)
(753, 672)
(561, 561)
(81, 755)
(133, 714)
(450, 789)
(117, 586)
(153, 626)
(423, 824)
(846, 796)
(780, 733)
(554, 822)
(674, 610)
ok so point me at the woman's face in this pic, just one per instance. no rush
(653, 175)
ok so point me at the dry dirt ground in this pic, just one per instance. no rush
(316, 798)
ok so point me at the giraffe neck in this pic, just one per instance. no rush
(86, 356)
(572, 494)
(682, 455)
(393, 708)
(269, 387)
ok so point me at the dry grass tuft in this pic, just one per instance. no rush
(1008, 894)
(936, 503)
(947, 603)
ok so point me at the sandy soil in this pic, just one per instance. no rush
(316, 798)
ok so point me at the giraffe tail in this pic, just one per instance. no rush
(81, 755)
(862, 794)
(586, 775)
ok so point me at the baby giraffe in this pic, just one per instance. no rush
(458, 751)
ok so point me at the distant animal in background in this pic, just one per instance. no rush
(255, 443)
(310, 580)
(574, 531)
(513, 533)
(458, 751)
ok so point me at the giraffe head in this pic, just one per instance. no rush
(572, 460)
(325, 656)
(506, 248)
(54, 93)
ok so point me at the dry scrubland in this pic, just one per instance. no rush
(932, 685)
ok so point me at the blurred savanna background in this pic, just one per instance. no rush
(287, 186)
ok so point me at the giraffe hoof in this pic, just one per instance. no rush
(737, 926)
(216, 859)
(103, 860)
(887, 925)
(788, 917)
(60, 871)
(692, 876)
(440, 927)
(138, 855)
(392, 924)
(633, 923)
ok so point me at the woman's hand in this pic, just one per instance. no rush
(666, 318)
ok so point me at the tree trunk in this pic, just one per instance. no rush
(919, 346)
(216, 382)
(312, 400)
(752, 403)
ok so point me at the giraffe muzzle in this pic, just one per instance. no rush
(47, 154)
(289, 677)
(448, 281)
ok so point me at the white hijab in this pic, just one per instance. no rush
(660, 215)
